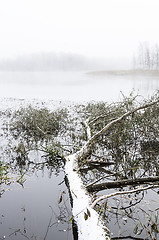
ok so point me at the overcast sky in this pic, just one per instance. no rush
(102, 28)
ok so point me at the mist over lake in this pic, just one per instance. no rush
(76, 85)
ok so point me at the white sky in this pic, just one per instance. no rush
(103, 28)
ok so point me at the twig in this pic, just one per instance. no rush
(44, 133)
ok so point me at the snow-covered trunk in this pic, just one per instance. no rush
(87, 219)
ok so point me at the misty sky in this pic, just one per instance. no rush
(102, 28)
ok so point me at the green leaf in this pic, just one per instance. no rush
(70, 220)
(136, 229)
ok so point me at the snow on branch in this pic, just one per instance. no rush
(121, 193)
(103, 130)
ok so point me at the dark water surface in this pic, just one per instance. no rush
(34, 212)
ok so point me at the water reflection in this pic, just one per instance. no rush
(132, 216)
(34, 212)
(30, 207)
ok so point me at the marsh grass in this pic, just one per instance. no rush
(38, 124)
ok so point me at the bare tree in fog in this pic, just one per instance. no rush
(147, 56)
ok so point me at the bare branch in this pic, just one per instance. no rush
(121, 183)
(40, 130)
(103, 130)
(99, 117)
(121, 193)
(96, 119)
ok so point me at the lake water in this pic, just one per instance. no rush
(73, 86)
(26, 213)
(33, 212)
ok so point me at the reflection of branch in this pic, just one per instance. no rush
(129, 237)
(14, 232)
(130, 205)
(120, 193)
(19, 231)
(49, 223)
(110, 175)
(121, 183)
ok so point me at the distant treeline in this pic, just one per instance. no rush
(147, 56)
(47, 62)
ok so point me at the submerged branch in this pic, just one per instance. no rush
(121, 183)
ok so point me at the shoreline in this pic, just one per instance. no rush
(132, 72)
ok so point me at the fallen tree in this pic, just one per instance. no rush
(80, 198)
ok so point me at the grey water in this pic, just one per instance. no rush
(73, 86)
(33, 211)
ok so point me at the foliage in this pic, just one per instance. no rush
(4, 170)
(6, 179)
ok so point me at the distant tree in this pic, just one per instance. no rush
(147, 56)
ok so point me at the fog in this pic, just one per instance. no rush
(51, 61)
(96, 29)
(66, 36)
